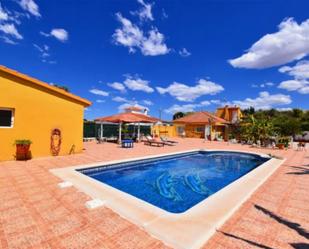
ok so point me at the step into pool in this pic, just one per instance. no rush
(179, 182)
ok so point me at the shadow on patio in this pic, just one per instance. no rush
(301, 170)
(246, 240)
(292, 225)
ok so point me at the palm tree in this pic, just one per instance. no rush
(254, 129)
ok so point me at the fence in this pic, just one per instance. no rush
(91, 129)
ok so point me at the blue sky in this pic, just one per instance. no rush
(164, 55)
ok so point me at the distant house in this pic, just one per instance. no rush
(202, 125)
(230, 113)
(50, 117)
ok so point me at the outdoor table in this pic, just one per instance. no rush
(127, 143)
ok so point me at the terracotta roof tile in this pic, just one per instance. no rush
(128, 118)
(200, 118)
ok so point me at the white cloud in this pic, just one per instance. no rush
(3, 14)
(301, 86)
(137, 84)
(181, 108)
(60, 34)
(126, 105)
(31, 7)
(187, 93)
(205, 103)
(131, 36)
(8, 40)
(164, 14)
(264, 101)
(100, 101)
(263, 85)
(44, 50)
(290, 43)
(184, 52)
(118, 86)
(187, 107)
(154, 44)
(147, 102)
(215, 101)
(99, 92)
(120, 99)
(10, 29)
(145, 13)
(300, 72)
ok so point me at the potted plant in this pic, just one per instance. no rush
(283, 142)
(22, 148)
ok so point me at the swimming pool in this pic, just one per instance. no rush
(179, 182)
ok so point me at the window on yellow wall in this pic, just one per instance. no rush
(199, 129)
(6, 117)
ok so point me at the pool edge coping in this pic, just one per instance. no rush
(184, 230)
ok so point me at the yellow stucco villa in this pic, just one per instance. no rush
(47, 115)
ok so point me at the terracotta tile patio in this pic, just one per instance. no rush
(35, 213)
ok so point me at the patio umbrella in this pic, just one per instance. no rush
(128, 117)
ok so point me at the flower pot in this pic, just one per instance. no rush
(22, 151)
(280, 146)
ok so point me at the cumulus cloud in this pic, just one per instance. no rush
(299, 71)
(290, 43)
(145, 12)
(300, 74)
(117, 86)
(301, 86)
(264, 101)
(99, 92)
(131, 36)
(31, 7)
(58, 33)
(187, 93)
(10, 30)
(184, 52)
(138, 84)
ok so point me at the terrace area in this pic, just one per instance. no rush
(35, 213)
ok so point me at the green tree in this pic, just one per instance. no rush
(178, 115)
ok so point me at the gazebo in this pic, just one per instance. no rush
(128, 118)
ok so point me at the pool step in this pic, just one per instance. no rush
(65, 184)
(94, 203)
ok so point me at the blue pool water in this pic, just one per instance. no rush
(177, 183)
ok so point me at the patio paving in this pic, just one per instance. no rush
(35, 213)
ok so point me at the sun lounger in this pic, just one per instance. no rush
(167, 141)
(150, 141)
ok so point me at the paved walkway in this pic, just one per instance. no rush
(35, 213)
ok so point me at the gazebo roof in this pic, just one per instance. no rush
(126, 117)
(200, 118)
